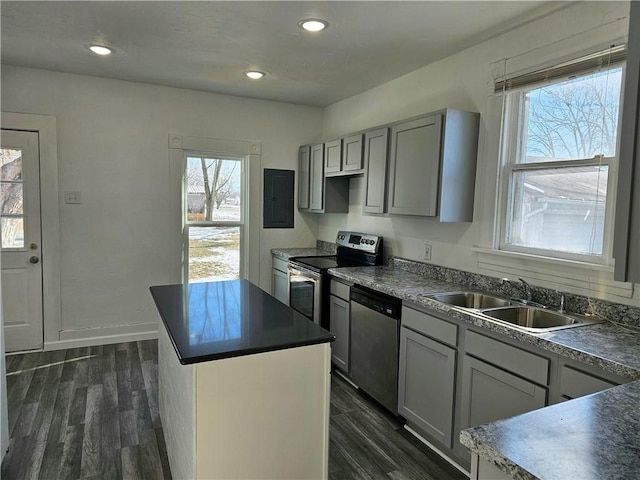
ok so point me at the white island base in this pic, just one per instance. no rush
(250, 417)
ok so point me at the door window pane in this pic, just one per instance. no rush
(559, 209)
(12, 232)
(213, 189)
(214, 254)
(11, 198)
(10, 165)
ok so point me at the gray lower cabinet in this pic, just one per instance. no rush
(280, 281)
(426, 385)
(340, 327)
(490, 394)
(303, 177)
(577, 380)
(376, 150)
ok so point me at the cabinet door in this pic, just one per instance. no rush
(281, 286)
(627, 222)
(414, 167)
(339, 325)
(316, 181)
(426, 384)
(375, 153)
(490, 394)
(333, 156)
(352, 153)
(303, 177)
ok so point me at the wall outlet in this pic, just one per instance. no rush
(427, 252)
(72, 197)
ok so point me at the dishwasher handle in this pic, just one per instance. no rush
(377, 301)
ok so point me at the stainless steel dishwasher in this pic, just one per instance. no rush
(375, 330)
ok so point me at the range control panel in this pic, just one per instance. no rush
(358, 241)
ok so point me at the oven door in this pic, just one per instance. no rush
(304, 292)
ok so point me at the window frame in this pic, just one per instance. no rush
(244, 201)
(511, 145)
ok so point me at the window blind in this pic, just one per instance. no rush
(588, 63)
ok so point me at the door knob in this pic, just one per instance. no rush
(34, 259)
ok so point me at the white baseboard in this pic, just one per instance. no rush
(436, 449)
(88, 337)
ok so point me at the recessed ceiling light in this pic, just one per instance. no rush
(254, 74)
(313, 25)
(100, 50)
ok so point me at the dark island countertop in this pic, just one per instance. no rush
(216, 320)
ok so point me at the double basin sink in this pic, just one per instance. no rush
(514, 313)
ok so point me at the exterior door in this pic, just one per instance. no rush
(21, 238)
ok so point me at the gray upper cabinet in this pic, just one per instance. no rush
(303, 177)
(414, 168)
(333, 157)
(316, 182)
(627, 223)
(317, 194)
(432, 166)
(352, 154)
(376, 148)
(343, 157)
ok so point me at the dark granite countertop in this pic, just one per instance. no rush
(216, 320)
(604, 345)
(590, 438)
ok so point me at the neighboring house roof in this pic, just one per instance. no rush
(575, 185)
(195, 189)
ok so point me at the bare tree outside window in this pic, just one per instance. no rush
(214, 217)
(11, 198)
(217, 180)
(575, 119)
(565, 142)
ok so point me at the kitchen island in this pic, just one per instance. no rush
(244, 384)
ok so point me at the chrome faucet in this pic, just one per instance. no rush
(524, 288)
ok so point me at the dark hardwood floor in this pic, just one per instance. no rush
(92, 413)
(367, 442)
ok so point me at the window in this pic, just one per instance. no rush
(214, 217)
(560, 147)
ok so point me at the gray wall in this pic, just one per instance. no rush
(113, 147)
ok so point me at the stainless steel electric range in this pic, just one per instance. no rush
(308, 278)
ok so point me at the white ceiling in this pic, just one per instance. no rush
(207, 45)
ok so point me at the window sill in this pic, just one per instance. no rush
(569, 276)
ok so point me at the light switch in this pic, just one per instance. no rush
(72, 197)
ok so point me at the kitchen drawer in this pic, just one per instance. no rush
(428, 325)
(340, 290)
(574, 383)
(280, 264)
(513, 359)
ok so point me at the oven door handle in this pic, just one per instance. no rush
(313, 276)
